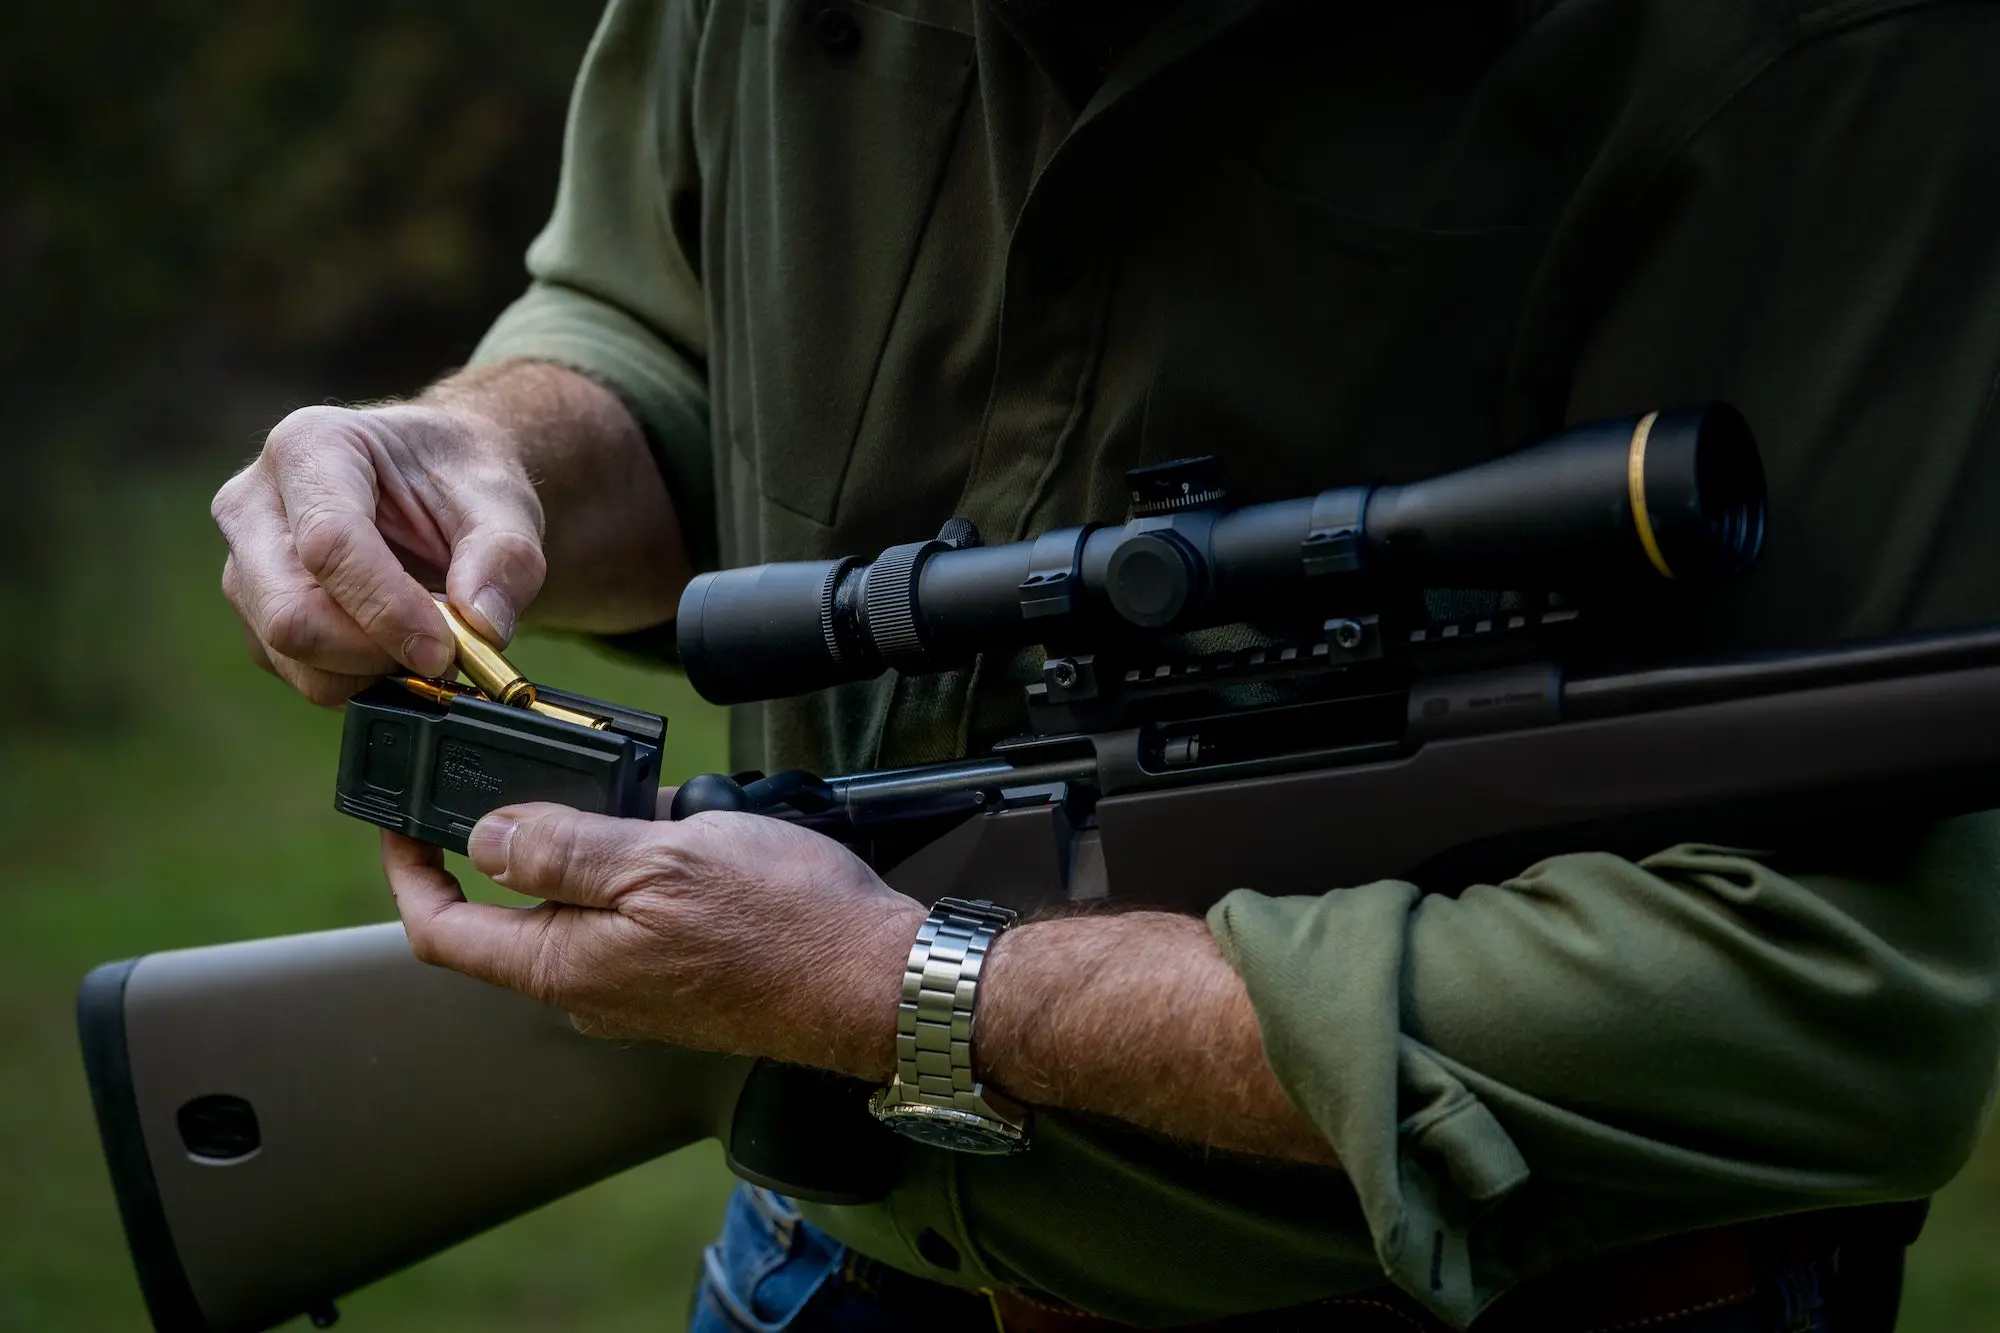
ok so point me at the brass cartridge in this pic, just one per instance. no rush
(443, 692)
(497, 678)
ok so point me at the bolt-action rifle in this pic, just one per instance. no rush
(1271, 695)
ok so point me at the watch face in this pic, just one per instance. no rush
(958, 1131)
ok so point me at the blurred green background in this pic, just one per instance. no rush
(209, 214)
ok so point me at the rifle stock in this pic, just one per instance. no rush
(398, 1109)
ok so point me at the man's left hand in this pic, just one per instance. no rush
(737, 932)
(724, 932)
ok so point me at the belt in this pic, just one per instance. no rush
(1646, 1287)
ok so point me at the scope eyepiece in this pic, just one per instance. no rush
(1675, 495)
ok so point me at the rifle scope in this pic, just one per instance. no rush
(1675, 495)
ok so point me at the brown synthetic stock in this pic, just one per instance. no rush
(402, 1107)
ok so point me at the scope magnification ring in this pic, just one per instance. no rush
(829, 629)
(889, 603)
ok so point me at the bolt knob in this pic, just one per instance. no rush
(706, 792)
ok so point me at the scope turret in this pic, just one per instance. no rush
(1675, 495)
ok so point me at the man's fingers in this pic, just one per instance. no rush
(318, 582)
(497, 566)
(326, 482)
(483, 940)
(403, 856)
(277, 600)
(564, 855)
(328, 689)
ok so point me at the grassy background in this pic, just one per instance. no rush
(195, 807)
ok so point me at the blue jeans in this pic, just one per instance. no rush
(771, 1271)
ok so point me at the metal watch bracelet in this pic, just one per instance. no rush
(934, 1028)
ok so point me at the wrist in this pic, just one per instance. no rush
(870, 985)
(547, 417)
(441, 426)
(611, 535)
(1058, 985)
(1014, 1029)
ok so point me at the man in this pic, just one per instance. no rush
(822, 275)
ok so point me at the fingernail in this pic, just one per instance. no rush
(492, 604)
(487, 847)
(428, 655)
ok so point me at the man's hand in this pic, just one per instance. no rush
(345, 516)
(725, 932)
(734, 932)
(489, 486)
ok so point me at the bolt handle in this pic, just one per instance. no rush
(752, 793)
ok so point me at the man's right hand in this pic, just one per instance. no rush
(347, 517)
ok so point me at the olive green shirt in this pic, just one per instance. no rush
(858, 278)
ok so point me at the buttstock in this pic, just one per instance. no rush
(398, 1109)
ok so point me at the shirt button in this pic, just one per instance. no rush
(837, 31)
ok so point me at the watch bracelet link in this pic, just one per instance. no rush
(934, 1017)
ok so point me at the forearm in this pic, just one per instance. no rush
(1136, 1016)
(611, 536)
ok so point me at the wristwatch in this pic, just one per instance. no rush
(934, 1098)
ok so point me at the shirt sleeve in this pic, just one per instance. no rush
(1599, 1051)
(614, 291)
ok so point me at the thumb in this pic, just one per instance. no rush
(497, 566)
